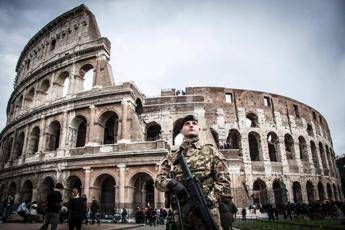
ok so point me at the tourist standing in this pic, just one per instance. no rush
(94, 209)
(76, 209)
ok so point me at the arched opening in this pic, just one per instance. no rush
(87, 73)
(303, 148)
(2, 192)
(215, 137)
(289, 147)
(252, 120)
(62, 84)
(314, 154)
(153, 131)
(321, 192)
(254, 146)
(280, 193)
(329, 192)
(233, 141)
(329, 159)
(260, 196)
(73, 182)
(297, 192)
(139, 107)
(109, 122)
(310, 192)
(18, 148)
(46, 186)
(143, 190)
(336, 197)
(12, 189)
(53, 136)
(8, 149)
(19, 103)
(27, 191)
(273, 146)
(77, 131)
(310, 130)
(42, 92)
(106, 185)
(177, 136)
(34, 140)
(322, 155)
(29, 99)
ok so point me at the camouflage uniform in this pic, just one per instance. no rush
(208, 166)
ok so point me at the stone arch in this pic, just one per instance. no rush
(19, 104)
(289, 146)
(280, 192)
(328, 157)
(314, 154)
(73, 181)
(310, 130)
(109, 123)
(260, 194)
(18, 147)
(310, 192)
(215, 136)
(43, 90)
(29, 98)
(138, 106)
(252, 120)
(336, 195)
(104, 186)
(273, 146)
(322, 155)
(303, 148)
(7, 148)
(61, 84)
(321, 191)
(297, 192)
(12, 189)
(177, 136)
(329, 192)
(26, 191)
(77, 131)
(233, 141)
(153, 131)
(53, 136)
(34, 140)
(87, 74)
(46, 186)
(143, 189)
(255, 149)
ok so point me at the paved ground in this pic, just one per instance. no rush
(20, 226)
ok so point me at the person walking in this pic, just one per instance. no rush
(7, 207)
(227, 211)
(85, 214)
(94, 209)
(124, 216)
(54, 199)
(76, 209)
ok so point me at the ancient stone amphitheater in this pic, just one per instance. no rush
(69, 121)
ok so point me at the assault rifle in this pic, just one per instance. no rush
(196, 199)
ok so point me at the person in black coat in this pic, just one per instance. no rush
(76, 209)
(227, 210)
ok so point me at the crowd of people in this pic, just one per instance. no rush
(153, 216)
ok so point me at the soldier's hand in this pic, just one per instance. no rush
(176, 186)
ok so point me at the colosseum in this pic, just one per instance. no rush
(69, 121)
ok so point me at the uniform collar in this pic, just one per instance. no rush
(187, 142)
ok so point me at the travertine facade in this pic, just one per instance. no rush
(108, 139)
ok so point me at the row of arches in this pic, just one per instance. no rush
(50, 89)
(261, 193)
(104, 189)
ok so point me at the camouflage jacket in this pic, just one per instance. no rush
(205, 163)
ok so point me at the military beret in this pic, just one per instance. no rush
(188, 118)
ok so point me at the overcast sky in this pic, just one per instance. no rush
(292, 48)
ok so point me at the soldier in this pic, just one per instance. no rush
(206, 164)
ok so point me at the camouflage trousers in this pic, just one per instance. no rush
(194, 221)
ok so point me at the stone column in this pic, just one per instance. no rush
(124, 123)
(87, 182)
(42, 144)
(12, 157)
(122, 168)
(64, 130)
(26, 141)
(92, 132)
